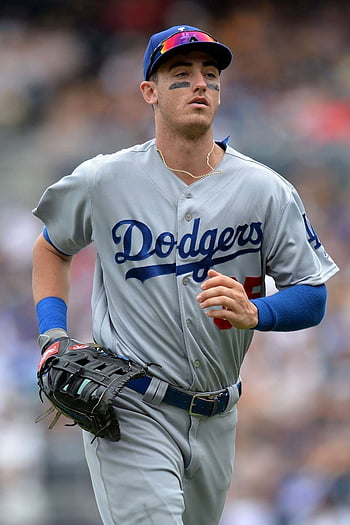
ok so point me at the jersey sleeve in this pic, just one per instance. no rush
(65, 209)
(295, 253)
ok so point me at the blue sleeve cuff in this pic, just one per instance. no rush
(47, 238)
(46, 235)
(294, 308)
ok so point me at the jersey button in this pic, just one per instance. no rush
(188, 323)
(197, 363)
(185, 280)
(188, 217)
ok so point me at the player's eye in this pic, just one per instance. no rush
(181, 74)
(211, 75)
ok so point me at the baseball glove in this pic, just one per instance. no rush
(82, 381)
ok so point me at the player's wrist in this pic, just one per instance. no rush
(51, 313)
(50, 336)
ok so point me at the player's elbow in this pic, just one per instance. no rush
(312, 302)
(318, 304)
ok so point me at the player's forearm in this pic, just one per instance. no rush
(294, 308)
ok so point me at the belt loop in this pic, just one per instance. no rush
(234, 395)
(155, 392)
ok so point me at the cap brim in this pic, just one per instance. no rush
(221, 54)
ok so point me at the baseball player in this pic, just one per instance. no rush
(186, 229)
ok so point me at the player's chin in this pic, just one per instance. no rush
(196, 127)
(200, 113)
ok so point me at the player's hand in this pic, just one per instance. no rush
(221, 290)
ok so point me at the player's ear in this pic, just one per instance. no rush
(149, 91)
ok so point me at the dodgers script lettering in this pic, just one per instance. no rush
(137, 242)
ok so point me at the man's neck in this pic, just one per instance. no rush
(189, 159)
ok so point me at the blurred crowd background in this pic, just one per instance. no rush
(69, 89)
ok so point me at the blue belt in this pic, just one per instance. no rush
(196, 404)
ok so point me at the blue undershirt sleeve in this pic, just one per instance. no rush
(294, 308)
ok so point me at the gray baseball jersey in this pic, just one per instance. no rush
(156, 238)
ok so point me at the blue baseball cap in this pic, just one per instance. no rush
(166, 43)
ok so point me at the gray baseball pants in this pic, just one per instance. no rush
(169, 468)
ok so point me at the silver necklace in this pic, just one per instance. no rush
(211, 172)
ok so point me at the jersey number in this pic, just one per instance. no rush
(249, 284)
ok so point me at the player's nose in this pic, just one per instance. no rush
(199, 82)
